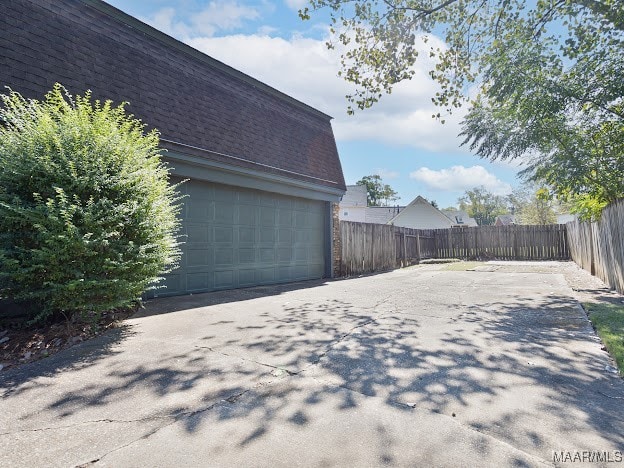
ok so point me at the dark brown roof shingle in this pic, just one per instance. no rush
(191, 98)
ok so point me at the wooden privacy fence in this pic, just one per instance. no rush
(376, 247)
(599, 247)
(515, 242)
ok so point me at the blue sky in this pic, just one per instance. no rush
(396, 139)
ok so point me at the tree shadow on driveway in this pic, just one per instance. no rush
(523, 374)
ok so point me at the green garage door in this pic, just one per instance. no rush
(236, 237)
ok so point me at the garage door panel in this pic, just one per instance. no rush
(285, 217)
(237, 237)
(246, 235)
(223, 257)
(224, 279)
(265, 275)
(247, 215)
(224, 193)
(224, 235)
(267, 255)
(247, 256)
(199, 257)
(267, 235)
(198, 233)
(267, 216)
(197, 281)
(224, 213)
(247, 278)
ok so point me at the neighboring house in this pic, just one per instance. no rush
(353, 208)
(460, 218)
(263, 168)
(382, 214)
(565, 218)
(505, 220)
(420, 214)
(353, 204)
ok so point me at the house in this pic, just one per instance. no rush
(420, 214)
(353, 204)
(460, 218)
(353, 207)
(505, 220)
(264, 176)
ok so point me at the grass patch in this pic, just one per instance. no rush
(462, 266)
(608, 320)
(434, 261)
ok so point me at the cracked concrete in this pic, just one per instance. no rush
(415, 367)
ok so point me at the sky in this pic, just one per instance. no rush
(396, 139)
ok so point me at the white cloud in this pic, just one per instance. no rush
(297, 4)
(218, 15)
(386, 174)
(305, 69)
(460, 178)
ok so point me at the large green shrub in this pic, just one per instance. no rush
(88, 220)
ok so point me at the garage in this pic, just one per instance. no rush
(237, 237)
(261, 169)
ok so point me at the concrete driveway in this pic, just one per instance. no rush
(415, 367)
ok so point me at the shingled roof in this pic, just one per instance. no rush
(200, 105)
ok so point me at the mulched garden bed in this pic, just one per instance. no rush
(20, 344)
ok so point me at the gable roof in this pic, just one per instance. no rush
(459, 217)
(421, 214)
(505, 220)
(201, 106)
(381, 214)
(355, 196)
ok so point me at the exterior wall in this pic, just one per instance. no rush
(336, 244)
(353, 204)
(355, 214)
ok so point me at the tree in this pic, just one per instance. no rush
(378, 193)
(573, 145)
(482, 205)
(88, 219)
(383, 39)
(533, 205)
(548, 77)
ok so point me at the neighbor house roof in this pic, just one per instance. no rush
(201, 106)
(459, 217)
(505, 220)
(381, 214)
(355, 196)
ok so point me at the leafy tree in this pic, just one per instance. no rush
(87, 217)
(572, 144)
(482, 205)
(434, 203)
(533, 205)
(378, 193)
(382, 39)
(548, 75)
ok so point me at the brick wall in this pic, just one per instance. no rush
(336, 241)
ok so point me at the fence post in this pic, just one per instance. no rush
(404, 248)
(592, 264)
(417, 246)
